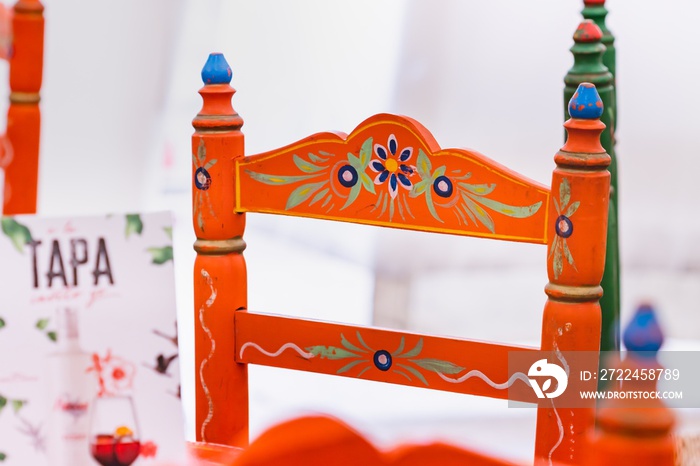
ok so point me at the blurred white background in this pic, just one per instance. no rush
(120, 91)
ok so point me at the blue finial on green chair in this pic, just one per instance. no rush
(643, 334)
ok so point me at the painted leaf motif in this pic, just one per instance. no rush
(319, 196)
(419, 188)
(18, 233)
(558, 263)
(134, 224)
(509, 210)
(564, 192)
(330, 352)
(302, 193)
(354, 192)
(306, 167)
(431, 205)
(3, 456)
(478, 189)
(169, 232)
(201, 150)
(277, 180)
(440, 171)
(210, 164)
(436, 365)
(367, 182)
(556, 205)
(346, 343)
(3, 402)
(413, 371)
(402, 343)
(316, 158)
(555, 245)
(2, 322)
(479, 212)
(572, 208)
(391, 209)
(423, 165)
(354, 161)
(366, 153)
(362, 341)
(349, 366)
(567, 254)
(53, 336)
(162, 255)
(415, 351)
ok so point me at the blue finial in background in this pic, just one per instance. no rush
(216, 70)
(585, 103)
(643, 334)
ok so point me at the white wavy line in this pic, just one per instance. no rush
(561, 358)
(561, 433)
(286, 346)
(482, 376)
(207, 393)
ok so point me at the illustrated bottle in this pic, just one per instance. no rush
(71, 390)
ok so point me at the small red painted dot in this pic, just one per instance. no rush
(581, 107)
(599, 104)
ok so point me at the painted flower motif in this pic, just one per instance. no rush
(390, 166)
(114, 374)
(564, 228)
(402, 362)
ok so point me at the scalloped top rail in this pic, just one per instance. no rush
(391, 172)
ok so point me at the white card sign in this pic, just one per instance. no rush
(88, 342)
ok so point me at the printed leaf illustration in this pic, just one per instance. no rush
(18, 404)
(3, 456)
(18, 233)
(41, 324)
(168, 231)
(2, 322)
(162, 255)
(53, 336)
(133, 224)
(3, 402)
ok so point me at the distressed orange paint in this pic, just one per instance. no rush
(23, 117)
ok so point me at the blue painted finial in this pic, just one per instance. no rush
(585, 103)
(643, 334)
(216, 70)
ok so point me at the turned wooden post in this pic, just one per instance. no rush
(23, 117)
(595, 10)
(577, 234)
(219, 270)
(588, 53)
(635, 431)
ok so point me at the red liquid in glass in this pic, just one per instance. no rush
(110, 451)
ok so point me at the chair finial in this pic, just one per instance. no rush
(587, 31)
(586, 104)
(643, 334)
(216, 70)
(594, 2)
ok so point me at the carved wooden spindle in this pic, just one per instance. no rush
(635, 431)
(221, 384)
(23, 117)
(588, 66)
(571, 320)
(595, 10)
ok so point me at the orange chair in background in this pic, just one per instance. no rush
(22, 44)
(390, 172)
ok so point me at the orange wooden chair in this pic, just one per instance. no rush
(22, 32)
(390, 172)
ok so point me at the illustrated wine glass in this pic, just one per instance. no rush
(114, 435)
